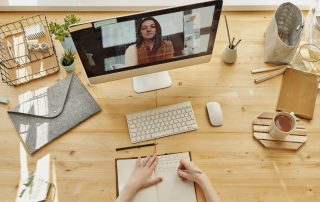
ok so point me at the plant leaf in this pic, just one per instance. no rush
(22, 192)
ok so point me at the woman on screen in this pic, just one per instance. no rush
(150, 47)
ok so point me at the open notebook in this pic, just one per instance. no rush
(172, 188)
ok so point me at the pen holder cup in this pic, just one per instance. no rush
(229, 55)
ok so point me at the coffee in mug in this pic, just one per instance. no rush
(282, 124)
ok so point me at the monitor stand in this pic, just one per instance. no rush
(151, 82)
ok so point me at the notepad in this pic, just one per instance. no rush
(298, 93)
(20, 50)
(38, 189)
(171, 189)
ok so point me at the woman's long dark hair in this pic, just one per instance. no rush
(157, 38)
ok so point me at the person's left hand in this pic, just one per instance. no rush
(141, 176)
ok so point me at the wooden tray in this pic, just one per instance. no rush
(260, 128)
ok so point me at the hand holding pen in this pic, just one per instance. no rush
(188, 171)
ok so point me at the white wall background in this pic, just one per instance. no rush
(136, 5)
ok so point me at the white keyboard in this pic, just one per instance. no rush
(160, 122)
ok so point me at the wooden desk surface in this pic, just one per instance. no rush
(238, 166)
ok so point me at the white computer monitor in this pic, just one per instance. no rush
(145, 45)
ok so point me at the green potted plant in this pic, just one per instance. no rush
(67, 60)
(61, 31)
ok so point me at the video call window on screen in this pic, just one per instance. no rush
(157, 38)
(134, 41)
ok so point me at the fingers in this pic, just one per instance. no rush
(154, 163)
(154, 181)
(184, 164)
(145, 161)
(181, 165)
(184, 175)
(151, 160)
(138, 161)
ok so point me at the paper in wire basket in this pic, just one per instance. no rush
(35, 31)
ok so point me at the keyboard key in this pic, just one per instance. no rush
(133, 130)
(132, 126)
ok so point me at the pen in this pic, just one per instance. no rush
(232, 42)
(237, 44)
(192, 171)
(136, 146)
(225, 18)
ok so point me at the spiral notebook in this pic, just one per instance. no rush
(171, 189)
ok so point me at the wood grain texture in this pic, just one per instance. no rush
(265, 129)
(281, 145)
(239, 167)
(289, 138)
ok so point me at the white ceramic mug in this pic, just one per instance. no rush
(276, 132)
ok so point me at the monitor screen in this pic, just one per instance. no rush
(135, 41)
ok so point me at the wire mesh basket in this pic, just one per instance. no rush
(20, 62)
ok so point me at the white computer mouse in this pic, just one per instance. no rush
(215, 113)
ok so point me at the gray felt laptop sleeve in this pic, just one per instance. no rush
(47, 113)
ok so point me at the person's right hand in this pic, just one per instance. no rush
(201, 179)
(194, 177)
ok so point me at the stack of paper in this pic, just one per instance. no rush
(35, 31)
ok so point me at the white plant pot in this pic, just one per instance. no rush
(69, 68)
